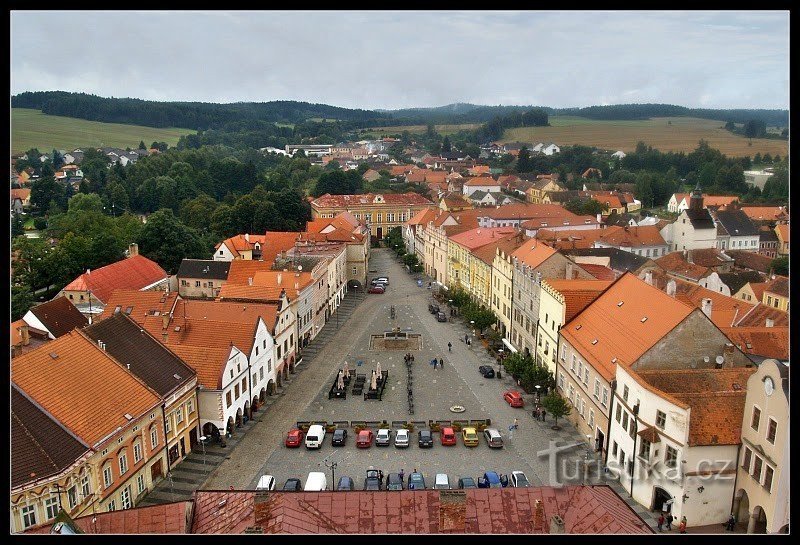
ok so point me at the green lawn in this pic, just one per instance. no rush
(33, 129)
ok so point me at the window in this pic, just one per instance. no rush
(625, 420)
(261, 373)
(140, 486)
(264, 343)
(572, 394)
(597, 388)
(190, 403)
(661, 419)
(86, 488)
(756, 418)
(591, 418)
(29, 516)
(583, 408)
(244, 384)
(154, 437)
(179, 416)
(256, 351)
(625, 393)
(51, 507)
(123, 463)
(768, 474)
(168, 424)
(236, 391)
(614, 449)
(572, 365)
(621, 457)
(228, 398)
(354, 271)
(619, 413)
(125, 497)
(670, 457)
(586, 375)
(561, 380)
(137, 452)
(107, 476)
(112, 506)
(255, 378)
(279, 351)
(772, 430)
(604, 402)
(196, 283)
(632, 429)
(563, 353)
(746, 457)
(644, 449)
(758, 464)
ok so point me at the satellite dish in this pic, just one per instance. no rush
(299, 267)
(719, 360)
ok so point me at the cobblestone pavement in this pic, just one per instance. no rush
(260, 450)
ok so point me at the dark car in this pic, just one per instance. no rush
(394, 482)
(433, 309)
(487, 371)
(374, 480)
(339, 437)
(466, 482)
(425, 439)
(378, 288)
(345, 483)
(416, 481)
(441, 316)
(490, 479)
(292, 485)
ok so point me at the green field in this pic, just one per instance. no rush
(33, 129)
(377, 132)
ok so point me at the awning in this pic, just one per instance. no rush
(510, 346)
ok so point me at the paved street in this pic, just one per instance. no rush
(260, 450)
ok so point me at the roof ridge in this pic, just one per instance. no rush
(50, 416)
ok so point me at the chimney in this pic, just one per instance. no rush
(599, 218)
(557, 525)
(133, 249)
(280, 277)
(671, 287)
(689, 258)
(728, 354)
(648, 277)
(247, 237)
(770, 323)
(25, 334)
(164, 321)
(538, 277)
(249, 281)
(569, 276)
(707, 304)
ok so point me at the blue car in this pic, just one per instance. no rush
(490, 479)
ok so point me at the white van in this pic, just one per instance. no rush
(266, 482)
(315, 436)
(316, 482)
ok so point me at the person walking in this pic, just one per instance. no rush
(536, 412)
(441, 363)
(669, 520)
(402, 473)
(660, 521)
(516, 423)
(544, 413)
(449, 347)
(731, 523)
(682, 525)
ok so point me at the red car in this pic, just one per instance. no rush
(514, 398)
(448, 436)
(364, 439)
(294, 438)
(376, 289)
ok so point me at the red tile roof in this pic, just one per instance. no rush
(758, 315)
(778, 285)
(275, 242)
(601, 272)
(242, 269)
(769, 342)
(632, 237)
(389, 199)
(573, 238)
(475, 238)
(135, 272)
(533, 253)
(765, 213)
(578, 294)
(507, 245)
(20, 194)
(606, 330)
(750, 260)
(708, 200)
(676, 264)
(527, 211)
(481, 181)
(164, 518)
(584, 509)
(59, 316)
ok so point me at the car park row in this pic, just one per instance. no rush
(315, 437)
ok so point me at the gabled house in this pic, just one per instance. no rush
(643, 241)
(782, 232)
(56, 317)
(693, 229)
(735, 230)
(202, 277)
(682, 201)
(486, 184)
(776, 293)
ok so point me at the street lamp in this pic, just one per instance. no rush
(538, 394)
(472, 323)
(500, 372)
(203, 442)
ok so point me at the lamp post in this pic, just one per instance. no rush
(500, 372)
(203, 442)
(472, 323)
(538, 394)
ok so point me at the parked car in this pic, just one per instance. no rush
(466, 482)
(383, 438)
(339, 437)
(514, 398)
(373, 480)
(425, 439)
(469, 437)
(487, 371)
(294, 438)
(364, 439)
(266, 482)
(401, 439)
(416, 481)
(493, 438)
(490, 479)
(442, 482)
(441, 316)
(316, 482)
(292, 485)
(394, 482)
(376, 289)
(433, 308)
(315, 436)
(382, 280)
(345, 483)
(519, 480)
(448, 436)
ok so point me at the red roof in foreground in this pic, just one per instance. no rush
(135, 272)
(584, 509)
(165, 518)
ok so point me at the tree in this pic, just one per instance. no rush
(17, 225)
(780, 265)
(755, 128)
(21, 300)
(585, 207)
(524, 160)
(557, 407)
(196, 213)
(58, 159)
(338, 182)
(785, 132)
(446, 144)
(44, 190)
(644, 189)
(142, 144)
(167, 241)
(482, 316)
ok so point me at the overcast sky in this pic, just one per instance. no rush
(391, 60)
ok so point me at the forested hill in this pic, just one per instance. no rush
(187, 115)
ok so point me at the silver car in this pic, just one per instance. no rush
(442, 482)
(383, 438)
(401, 439)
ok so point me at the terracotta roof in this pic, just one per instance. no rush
(74, 386)
(632, 237)
(570, 239)
(398, 170)
(41, 446)
(507, 180)
(59, 316)
(584, 509)
(767, 342)
(292, 281)
(716, 398)
(475, 238)
(757, 316)
(578, 294)
(650, 433)
(507, 244)
(604, 330)
(758, 289)
(612, 201)
(750, 260)
(428, 176)
(245, 292)
(527, 211)
(21, 194)
(486, 181)
(141, 303)
(778, 285)
(709, 257)
(708, 200)
(538, 223)
(676, 264)
(135, 272)
(765, 213)
(480, 169)
(164, 518)
(423, 216)
(242, 269)
(533, 253)
(783, 231)
(389, 199)
(276, 242)
(601, 272)
(240, 243)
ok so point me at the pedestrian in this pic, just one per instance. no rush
(449, 347)
(536, 412)
(682, 525)
(544, 413)
(441, 363)
(402, 473)
(466, 337)
(516, 423)
(660, 521)
(669, 520)
(469, 341)
(731, 523)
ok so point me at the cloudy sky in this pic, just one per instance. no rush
(390, 59)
